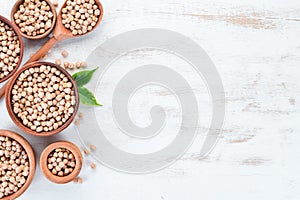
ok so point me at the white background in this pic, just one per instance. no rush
(255, 46)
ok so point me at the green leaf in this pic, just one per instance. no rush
(83, 77)
(87, 97)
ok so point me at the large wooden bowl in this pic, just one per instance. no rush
(44, 159)
(31, 156)
(15, 118)
(16, 7)
(16, 30)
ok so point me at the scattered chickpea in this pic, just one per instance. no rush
(10, 49)
(86, 151)
(63, 160)
(43, 98)
(78, 180)
(77, 123)
(80, 16)
(78, 64)
(92, 147)
(71, 66)
(83, 64)
(55, 3)
(93, 166)
(66, 65)
(80, 115)
(64, 53)
(14, 166)
(57, 61)
(34, 17)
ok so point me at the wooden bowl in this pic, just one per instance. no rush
(44, 160)
(15, 118)
(61, 32)
(16, 7)
(16, 30)
(31, 156)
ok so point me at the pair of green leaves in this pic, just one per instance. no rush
(86, 96)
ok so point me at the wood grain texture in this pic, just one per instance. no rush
(255, 46)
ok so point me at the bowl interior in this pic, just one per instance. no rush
(18, 121)
(17, 32)
(32, 163)
(15, 9)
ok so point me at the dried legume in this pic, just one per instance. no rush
(14, 166)
(9, 50)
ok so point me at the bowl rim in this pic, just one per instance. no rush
(44, 157)
(15, 118)
(31, 156)
(53, 9)
(17, 32)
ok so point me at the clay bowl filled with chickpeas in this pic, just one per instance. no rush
(17, 166)
(34, 18)
(61, 162)
(42, 99)
(11, 49)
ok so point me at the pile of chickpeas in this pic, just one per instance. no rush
(14, 166)
(61, 162)
(43, 98)
(80, 16)
(34, 17)
(9, 50)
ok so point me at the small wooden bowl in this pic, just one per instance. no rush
(61, 32)
(15, 118)
(31, 156)
(44, 160)
(16, 30)
(16, 7)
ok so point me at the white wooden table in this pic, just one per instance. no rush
(255, 46)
